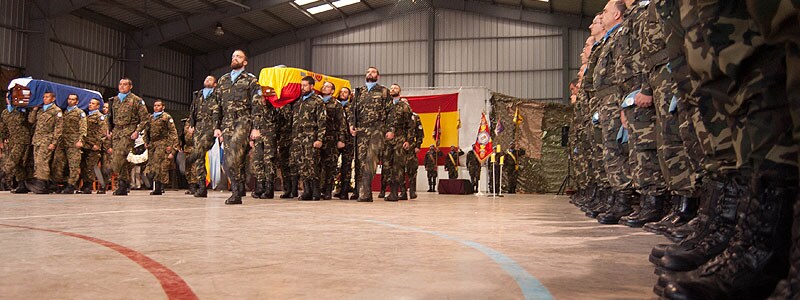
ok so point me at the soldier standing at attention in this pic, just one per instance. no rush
(371, 127)
(451, 162)
(68, 150)
(346, 169)
(397, 151)
(283, 121)
(46, 133)
(332, 142)
(412, 164)
(430, 168)
(161, 140)
(127, 117)
(264, 155)
(15, 120)
(204, 115)
(188, 149)
(240, 102)
(308, 130)
(511, 167)
(474, 168)
(93, 144)
(105, 162)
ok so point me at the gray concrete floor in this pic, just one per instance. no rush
(435, 247)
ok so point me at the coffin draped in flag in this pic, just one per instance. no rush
(281, 85)
(34, 89)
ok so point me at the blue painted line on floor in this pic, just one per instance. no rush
(530, 286)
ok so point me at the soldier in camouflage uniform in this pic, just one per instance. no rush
(398, 149)
(346, 153)
(69, 149)
(47, 131)
(451, 162)
(332, 142)
(15, 140)
(188, 149)
(264, 155)
(731, 61)
(204, 116)
(474, 168)
(430, 167)
(370, 125)
(308, 131)
(105, 161)
(412, 166)
(161, 138)
(127, 117)
(93, 144)
(241, 115)
(283, 122)
(511, 167)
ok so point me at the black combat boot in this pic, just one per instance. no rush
(598, 196)
(39, 187)
(344, 190)
(392, 192)
(661, 226)
(242, 189)
(122, 188)
(288, 186)
(365, 189)
(789, 287)
(757, 257)
(68, 189)
(156, 189)
(202, 190)
(86, 189)
(191, 189)
(102, 189)
(316, 195)
(602, 205)
(356, 191)
(269, 190)
(402, 192)
(710, 242)
(623, 201)
(382, 192)
(307, 191)
(22, 188)
(652, 209)
(236, 195)
(259, 189)
(412, 188)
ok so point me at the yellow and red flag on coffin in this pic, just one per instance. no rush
(439, 116)
(281, 85)
(483, 142)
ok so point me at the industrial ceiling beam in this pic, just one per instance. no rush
(57, 8)
(515, 13)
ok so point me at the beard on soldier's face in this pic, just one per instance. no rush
(372, 79)
(236, 65)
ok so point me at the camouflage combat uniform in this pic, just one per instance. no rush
(431, 170)
(204, 116)
(188, 150)
(47, 131)
(125, 117)
(283, 123)
(347, 153)
(412, 165)
(395, 157)
(451, 163)
(162, 141)
(96, 129)
(308, 126)
(370, 120)
(264, 149)
(67, 154)
(15, 129)
(335, 131)
(511, 168)
(474, 168)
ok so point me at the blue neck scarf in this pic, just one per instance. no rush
(371, 85)
(344, 102)
(610, 31)
(326, 99)
(10, 107)
(157, 114)
(235, 74)
(70, 108)
(122, 96)
(46, 106)
(206, 92)
(395, 100)
(91, 112)
(308, 96)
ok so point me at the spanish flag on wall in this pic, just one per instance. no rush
(439, 116)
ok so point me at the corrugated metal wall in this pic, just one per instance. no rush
(12, 42)
(166, 74)
(291, 56)
(576, 40)
(84, 54)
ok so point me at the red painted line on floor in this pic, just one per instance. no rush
(171, 282)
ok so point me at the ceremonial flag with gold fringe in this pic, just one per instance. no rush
(483, 142)
(437, 129)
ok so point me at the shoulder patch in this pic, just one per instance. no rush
(59, 115)
(142, 102)
(83, 115)
(171, 121)
(102, 118)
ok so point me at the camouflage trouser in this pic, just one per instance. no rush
(263, 157)
(122, 144)
(510, 178)
(67, 155)
(646, 174)
(15, 158)
(395, 160)
(304, 158)
(432, 176)
(614, 157)
(346, 167)
(105, 168)
(452, 171)
(91, 159)
(474, 175)
(677, 167)
(595, 148)
(203, 141)
(412, 166)
(370, 143)
(42, 157)
(236, 139)
(328, 157)
(158, 162)
(283, 159)
(191, 172)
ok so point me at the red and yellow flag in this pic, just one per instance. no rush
(483, 142)
(439, 116)
(281, 85)
(437, 129)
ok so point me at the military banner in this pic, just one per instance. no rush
(483, 141)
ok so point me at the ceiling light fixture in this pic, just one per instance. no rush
(304, 2)
(342, 3)
(219, 31)
(318, 9)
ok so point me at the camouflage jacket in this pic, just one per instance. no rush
(335, 125)
(47, 125)
(161, 130)
(130, 112)
(654, 52)
(188, 139)
(629, 64)
(73, 127)
(370, 108)
(401, 116)
(283, 124)
(204, 113)
(430, 161)
(240, 101)
(96, 128)
(472, 161)
(14, 126)
(308, 118)
(419, 133)
(451, 159)
(603, 76)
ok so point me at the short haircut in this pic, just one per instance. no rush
(51, 93)
(574, 81)
(243, 52)
(159, 101)
(348, 89)
(76, 95)
(620, 5)
(333, 86)
(310, 80)
(128, 79)
(376, 70)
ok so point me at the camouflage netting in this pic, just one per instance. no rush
(544, 166)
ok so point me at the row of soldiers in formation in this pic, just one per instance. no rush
(48, 149)
(687, 123)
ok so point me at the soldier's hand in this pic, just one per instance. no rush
(79, 144)
(643, 100)
(416, 150)
(135, 135)
(352, 131)
(170, 156)
(339, 145)
(317, 144)
(218, 133)
(389, 135)
(35, 108)
(255, 134)
(110, 150)
(169, 149)
(252, 144)
(406, 145)
(51, 147)
(96, 148)
(623, 119)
